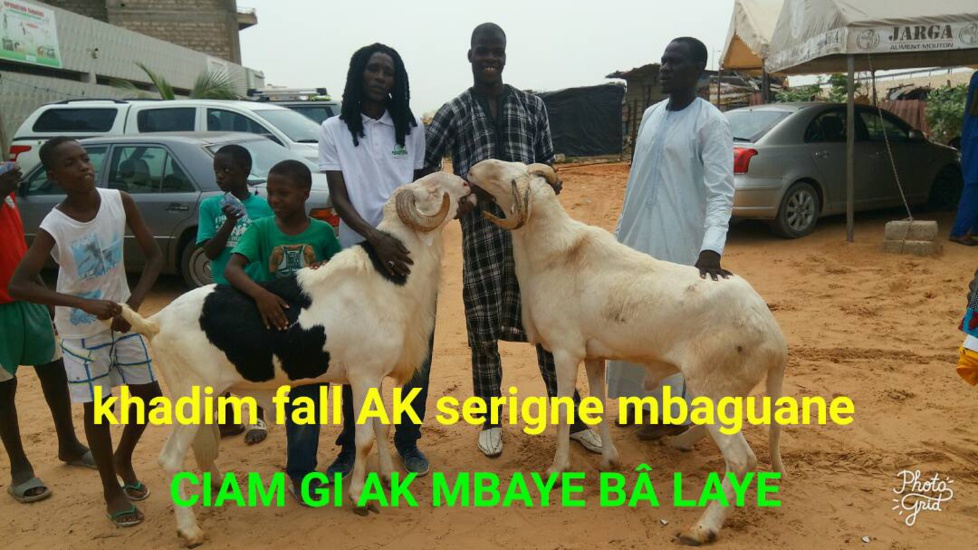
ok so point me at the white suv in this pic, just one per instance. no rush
(102, 117)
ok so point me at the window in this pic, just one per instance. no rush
(752, 124)
(875, 126)
(298, 128)
(828, 127)
(147, 169)
(219, 120)
(76, 120)
(38, 183)
(167, 120)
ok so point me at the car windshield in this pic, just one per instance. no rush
(265, 154)
(752, 124)
(297, 126)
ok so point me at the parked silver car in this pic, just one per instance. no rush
(790, 164)
(168, 174)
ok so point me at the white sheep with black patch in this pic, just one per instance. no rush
(350, 322)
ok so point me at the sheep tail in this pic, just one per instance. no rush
(140, 324)
(775, 379)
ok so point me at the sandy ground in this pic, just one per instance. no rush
(878, 328)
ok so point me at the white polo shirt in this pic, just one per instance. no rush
(373, 169)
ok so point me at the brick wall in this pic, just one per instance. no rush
(89, 8)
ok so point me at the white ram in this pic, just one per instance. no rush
(588, 298)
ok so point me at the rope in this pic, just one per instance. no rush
(896, 175)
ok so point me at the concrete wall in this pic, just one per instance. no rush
(85, 73)
(208, 26)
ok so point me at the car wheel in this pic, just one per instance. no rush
(195, 266)
(799, 211)
(946, 190)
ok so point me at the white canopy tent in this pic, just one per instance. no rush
(751, 28)
(823, 36)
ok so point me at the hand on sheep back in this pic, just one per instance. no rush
(709, 264)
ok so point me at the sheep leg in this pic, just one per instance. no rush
(566, 367)
(383, 450)
(363, 438)
(206, 450)
(595, 379)
(171, 460)
(740, 459)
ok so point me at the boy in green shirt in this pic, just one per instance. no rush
(219, 226)
(282, 245)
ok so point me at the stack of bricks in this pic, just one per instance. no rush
(911, 237)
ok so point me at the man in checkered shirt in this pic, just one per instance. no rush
(491, 120)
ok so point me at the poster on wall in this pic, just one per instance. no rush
(29, 34)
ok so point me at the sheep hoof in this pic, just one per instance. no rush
(696, 537)
(192, 538)
(365, 510)
(610, 464)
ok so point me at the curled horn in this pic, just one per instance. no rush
(413, 218)
(521, 206)
(543, 170)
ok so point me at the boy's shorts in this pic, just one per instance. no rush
(26, 337)
(968, 365)
(105, 360)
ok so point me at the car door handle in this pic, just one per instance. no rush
(176, 207)
(822, 154)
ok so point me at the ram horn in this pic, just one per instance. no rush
(543, 170)
(521, 206)
(408, 211)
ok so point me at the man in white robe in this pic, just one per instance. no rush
(679, 196)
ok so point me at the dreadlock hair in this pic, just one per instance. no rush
(46, 152)
(397, 103)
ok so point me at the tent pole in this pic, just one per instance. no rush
(850, 147)
(765, 86)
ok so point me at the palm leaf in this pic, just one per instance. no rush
(161, 84)
(127, 87)
(214, 85)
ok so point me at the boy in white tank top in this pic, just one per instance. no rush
(85, 235)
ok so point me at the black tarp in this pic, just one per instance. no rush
(585, 121)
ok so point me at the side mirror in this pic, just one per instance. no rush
(23, 188)
(916, 135)
(274, 138)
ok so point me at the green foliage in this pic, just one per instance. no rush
(209, 85)
(945, 111)
(837, 93)
(800, 93)
(212, 85)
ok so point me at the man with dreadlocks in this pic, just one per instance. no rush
(492, 120)
(372, 148)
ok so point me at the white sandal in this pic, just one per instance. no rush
(491, 442)
(588, 439)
